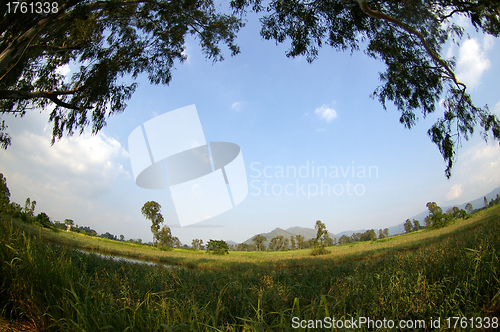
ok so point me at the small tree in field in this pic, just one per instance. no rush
(416, 225)
(151, 211)
(166, 239)
(4, 193)
(300, 241)
(43, 220)
(321, 239)
(197, 244)
(217, 247)
(436, 218)
(259, 240)
(469, 208)
(408, 226)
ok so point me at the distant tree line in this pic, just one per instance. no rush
(368, 235)
(26, 214)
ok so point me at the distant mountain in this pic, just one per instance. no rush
(307, 233)
(349, 233)
(399, 229)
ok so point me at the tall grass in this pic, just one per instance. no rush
(456, 273)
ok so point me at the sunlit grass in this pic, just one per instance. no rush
(448, 272)
(272, 259)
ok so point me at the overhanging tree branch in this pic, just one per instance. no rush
(51, 95)
(379, 15)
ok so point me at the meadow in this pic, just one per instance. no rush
(422, 276)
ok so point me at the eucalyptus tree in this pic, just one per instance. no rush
(4, 193)
(321, 234)
(151, 211)
(408, 226)
(259, 240)
(105, 41)
(408, 37)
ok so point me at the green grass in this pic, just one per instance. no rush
(266, 259)
(448, 272)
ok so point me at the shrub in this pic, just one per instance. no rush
(217, 247)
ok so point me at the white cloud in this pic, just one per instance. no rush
(496, 110)
(236, 106)
(76, 167)
(82, 165)
(476, 172)
(75, 178)
(450, 51)
(473, 61)
(455, 192)
(64, 70)
(488, 42)
(326, 113)
(462, 20)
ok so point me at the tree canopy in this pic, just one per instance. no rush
(217, 247)
(407, 36)
(112, 41)
(151, 211)
(4, 193)
(108, 40)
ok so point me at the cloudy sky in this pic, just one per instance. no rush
(285, 114)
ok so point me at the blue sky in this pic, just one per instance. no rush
(283, 113)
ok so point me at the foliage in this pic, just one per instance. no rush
(383, 233)
(217, 247)
(43, 220)
(277, 243)
(469, 208)
(322, 239)
(494, 201)
(259, 240)
(29, 209)
(151, 211)
(92, 232)
(345, 239)
(319, 250)
(197, 244)
(416, 225)
(4, 193)
(109, 236)
(408, 226)
(166, 239)
(436, 218)
(369, 235)
(105, 41)
(408, 37)
(300, 241)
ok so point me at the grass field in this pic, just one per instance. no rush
(423, 276)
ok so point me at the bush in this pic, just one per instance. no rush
(217, 247)
(320, 250)
(43, 220)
